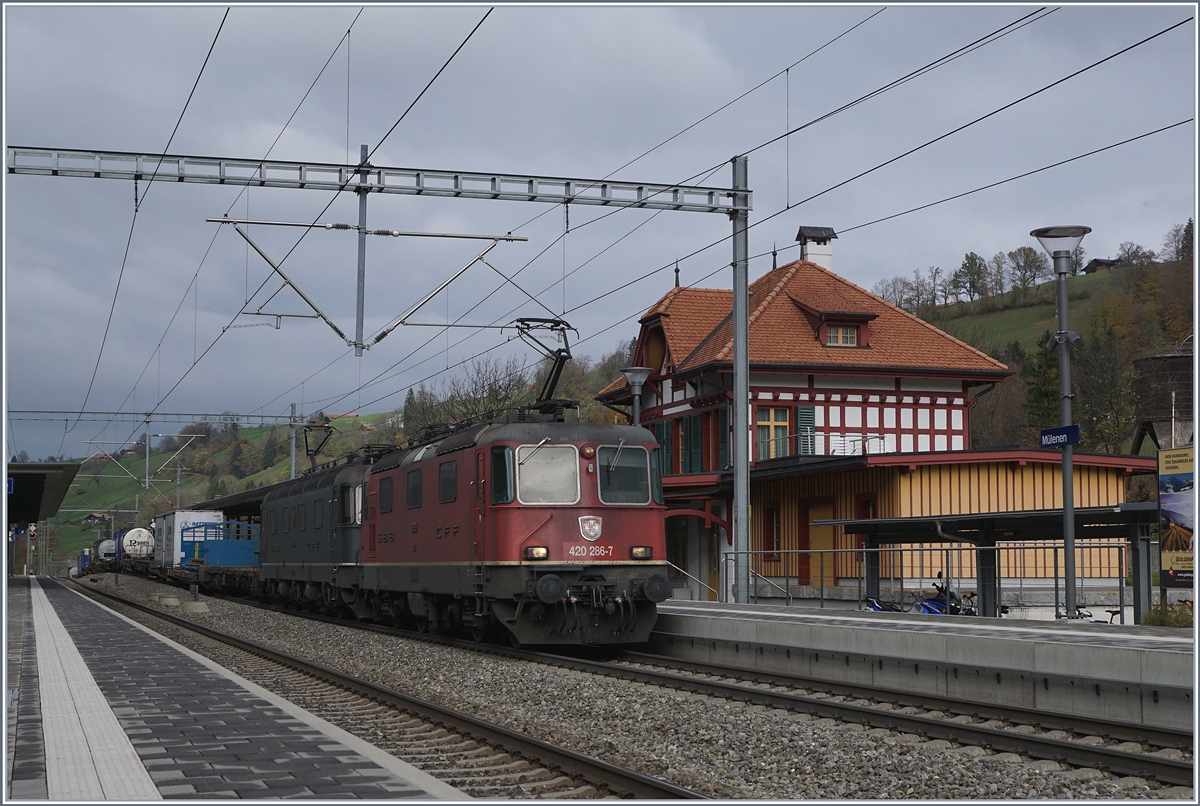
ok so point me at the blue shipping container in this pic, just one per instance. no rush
(222, 553)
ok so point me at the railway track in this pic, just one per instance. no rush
(480, 758)
(1122, 748)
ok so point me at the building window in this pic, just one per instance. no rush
(723, 437)
(772, 432)
(841, 336)
(771, 536)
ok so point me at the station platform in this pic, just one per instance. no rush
(100, 708)
(1130, 673)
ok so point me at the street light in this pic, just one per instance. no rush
(635, 377)
(1060, 243)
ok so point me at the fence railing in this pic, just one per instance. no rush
(1025, 565)
(804, 443)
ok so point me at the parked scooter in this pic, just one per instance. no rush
(944, 602)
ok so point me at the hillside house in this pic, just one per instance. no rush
(852, 399)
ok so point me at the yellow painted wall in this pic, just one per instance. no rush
(928, 491)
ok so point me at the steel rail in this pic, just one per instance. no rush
(1164, 770)
(596, 772)
(1050, 720)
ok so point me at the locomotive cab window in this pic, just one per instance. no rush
(385, 494)
(447, 482)
(547, 474)
(347, 499)
(502, 475)
(623, 472)
(414, 489)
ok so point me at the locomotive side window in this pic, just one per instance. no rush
(318, 514)
(547, 474)
(624, 474)
(347, 500)
(385, 494)
(271, 521)
(359, 494)
(656, 476)
(502, 475)
(447, 482)
(286, 517)
(300, 518)
(414, 489)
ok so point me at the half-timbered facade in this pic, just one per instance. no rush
(850, 399)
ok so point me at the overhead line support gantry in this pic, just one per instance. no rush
(734, 202)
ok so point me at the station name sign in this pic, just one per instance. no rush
(1058, 437)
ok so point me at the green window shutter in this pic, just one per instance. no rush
(806, 440)
(691, 443)
(723, 435)
(662, 435)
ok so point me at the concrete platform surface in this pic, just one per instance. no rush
(107, 710)
(1135, 674)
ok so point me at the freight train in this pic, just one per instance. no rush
(523, 526)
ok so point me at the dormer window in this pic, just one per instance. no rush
(837, 321)
(841, 336)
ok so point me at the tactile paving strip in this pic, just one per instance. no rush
(200, 734)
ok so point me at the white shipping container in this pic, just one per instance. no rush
(168, 532)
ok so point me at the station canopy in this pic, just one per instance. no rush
(37, 489)
(1091, 523)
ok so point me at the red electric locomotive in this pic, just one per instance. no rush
(551, 530)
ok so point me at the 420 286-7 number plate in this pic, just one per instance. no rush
(590, 551)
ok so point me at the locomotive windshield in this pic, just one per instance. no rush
(624, 473)
(547, 474)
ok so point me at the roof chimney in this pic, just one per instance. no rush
(816, 245)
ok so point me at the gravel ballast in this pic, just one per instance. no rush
(720, 748)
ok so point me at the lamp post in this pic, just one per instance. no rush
(1059, 243)
(635, 377)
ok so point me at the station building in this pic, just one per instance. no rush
(858, 409)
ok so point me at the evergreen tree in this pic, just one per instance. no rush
(1040, 373)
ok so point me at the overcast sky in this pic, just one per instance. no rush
(569, 91)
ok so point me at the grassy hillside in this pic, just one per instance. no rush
(1036, 314)
(103, 485)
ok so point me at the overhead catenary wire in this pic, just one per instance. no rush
(343, 186)
(898, 157)
(133, 222)
(790, 206)
(193, 285)
(957, 53)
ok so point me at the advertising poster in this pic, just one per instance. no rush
(1177, 516)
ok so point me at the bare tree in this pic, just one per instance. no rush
(893, 290)
(1133, 254)
(487, 386)
(1028, 266)
(998, 274)
(1177, 243)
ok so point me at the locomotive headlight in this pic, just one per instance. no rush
(642, 553)
(588, 452)
(536, 552)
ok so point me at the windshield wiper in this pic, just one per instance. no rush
(537, 448)
(620, 447)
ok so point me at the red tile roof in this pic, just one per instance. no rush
(697, 323)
